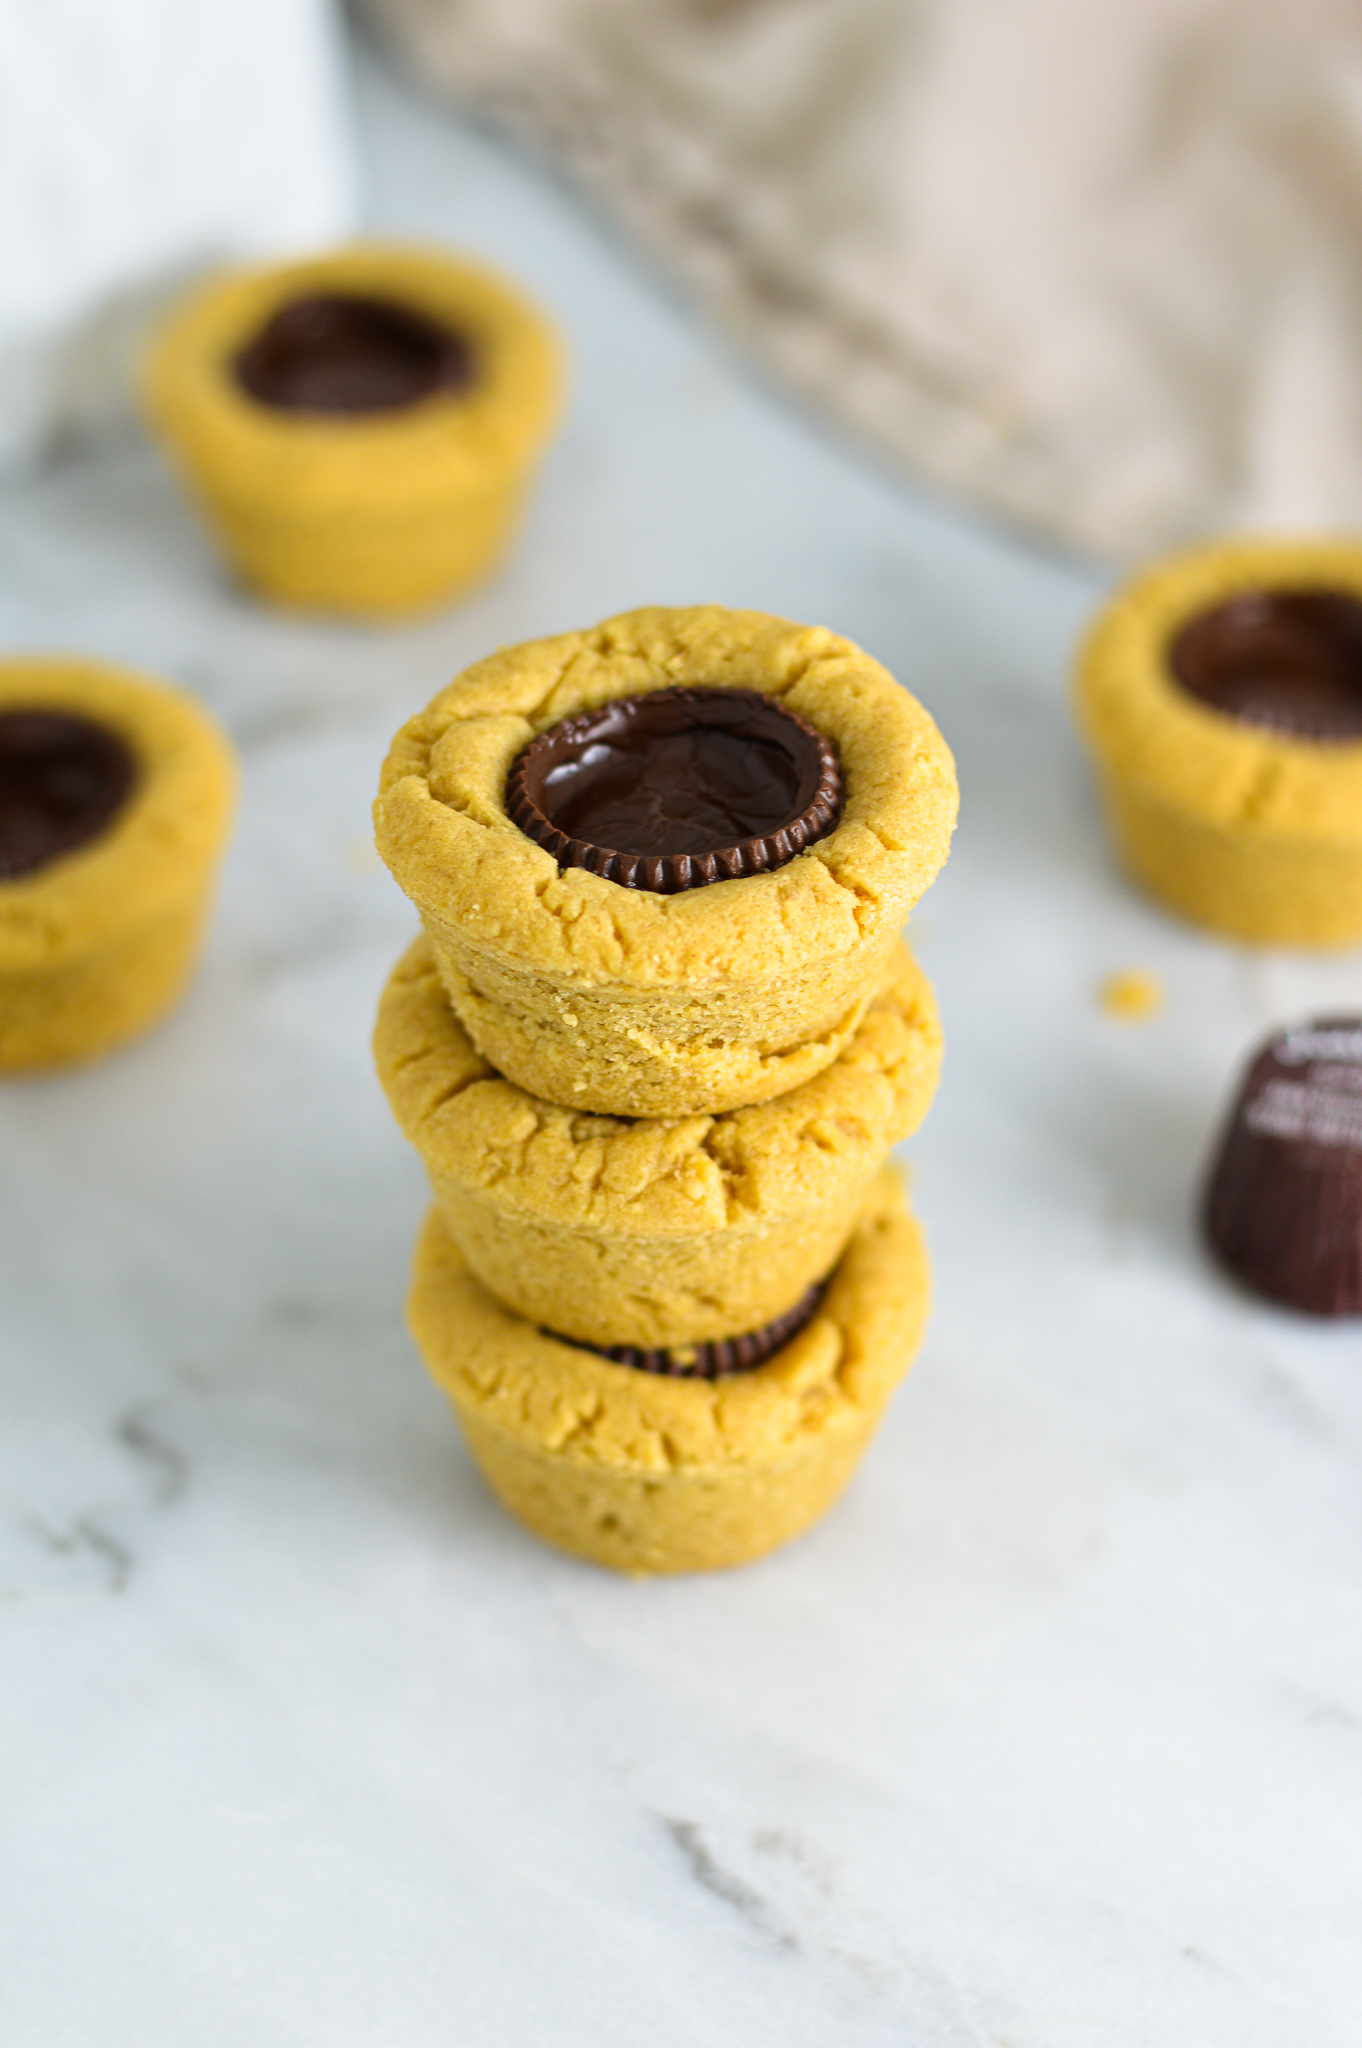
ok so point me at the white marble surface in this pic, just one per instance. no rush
(1050, 1737)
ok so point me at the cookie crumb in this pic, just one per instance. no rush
(1132, 995)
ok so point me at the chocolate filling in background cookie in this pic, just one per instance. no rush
(344, 352)
(1283, 1207)
(116, 796)
(1221, 694)
(678, 788)
(63, 780)
(1290, 659)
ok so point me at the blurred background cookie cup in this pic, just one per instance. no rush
(98, 941)
(370, 511)
(1231, 762)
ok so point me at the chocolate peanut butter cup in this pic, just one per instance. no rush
(346, 352)
(1288, 659)
(63, 780)
(1283, 1207)
(724, 1355)
(674, 789)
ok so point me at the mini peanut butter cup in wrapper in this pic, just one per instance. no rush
(1283, 1207)
(678, 788)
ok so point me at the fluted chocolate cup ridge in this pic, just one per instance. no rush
(625, 726)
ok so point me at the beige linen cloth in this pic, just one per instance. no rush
(1095, 266)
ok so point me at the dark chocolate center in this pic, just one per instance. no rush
(345, 352)
(722, 1355)
(63, 779)
(675, 788)
(1291, 659)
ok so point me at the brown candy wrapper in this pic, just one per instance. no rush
(1283, 1206)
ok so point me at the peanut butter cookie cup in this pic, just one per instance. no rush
(360, 428)
(654, 1472)
(1221, 694)
(115, 800)
(653, 1234)
(662, 862)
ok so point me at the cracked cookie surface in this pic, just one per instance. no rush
(617, 1000)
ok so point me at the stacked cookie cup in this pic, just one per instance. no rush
(654, 1046)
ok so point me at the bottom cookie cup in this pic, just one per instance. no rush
(650, 1474)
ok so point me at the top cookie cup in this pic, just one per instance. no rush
(617, 999)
